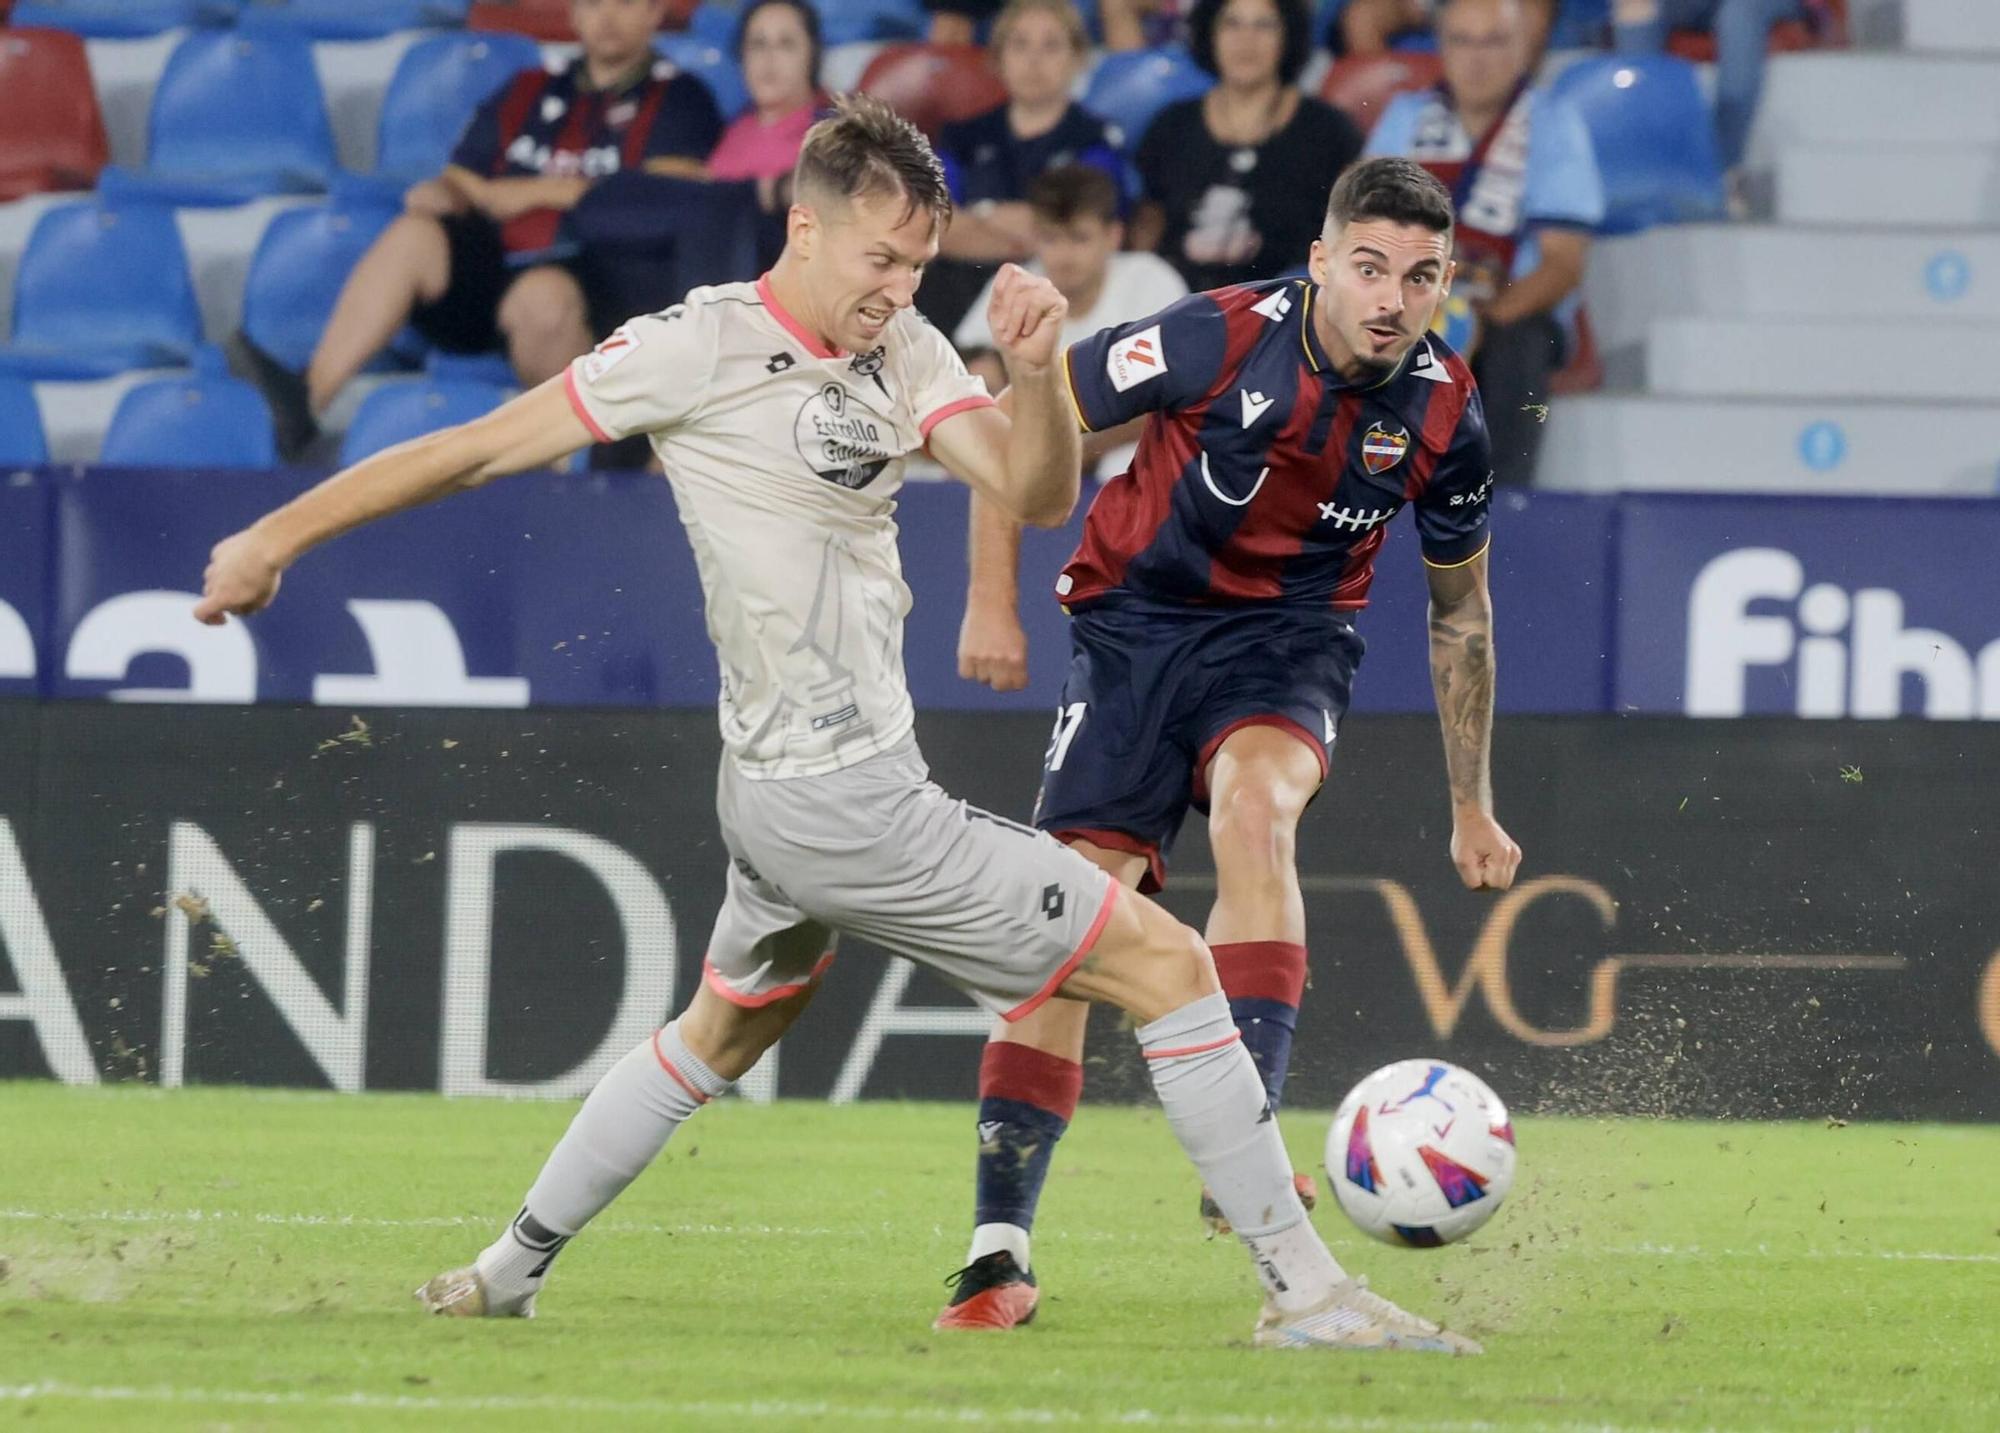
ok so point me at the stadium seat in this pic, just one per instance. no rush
(51, 133)
(713, 65)
(715, 23)
(934, 85)
(438, 84)
(397, 412)
(1129, 88)
(1363, 85)
(537, 19)
(122, 19)
(102, 289)
(353, 19)
(1654, 140)
(848, 21)
(236, 116)
(21, 439)
(1581, 25)
(297, 272)
(208, 421)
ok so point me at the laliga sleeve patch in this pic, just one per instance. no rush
(1137, 359)
(609, 354)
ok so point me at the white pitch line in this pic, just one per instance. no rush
(711, 1412)
(785, 1231)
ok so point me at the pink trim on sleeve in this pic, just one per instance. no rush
(576, 406)
(952, 410)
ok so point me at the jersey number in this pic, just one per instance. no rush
(1069, 721)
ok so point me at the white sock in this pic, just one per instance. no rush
(1208, 1086)
(992, 1238)
(625, 1123)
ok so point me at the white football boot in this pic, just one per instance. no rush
(1353, 1316)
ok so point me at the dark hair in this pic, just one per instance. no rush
(808, 17)
(1399, 190)
(1073, 191)
(864, 147)
(1297, 20)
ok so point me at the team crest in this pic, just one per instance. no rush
(1383, 446)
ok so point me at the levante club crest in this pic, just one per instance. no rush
(1383, 446)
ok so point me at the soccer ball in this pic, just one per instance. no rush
(1421, 1153)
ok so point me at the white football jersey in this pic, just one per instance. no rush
(785, 458)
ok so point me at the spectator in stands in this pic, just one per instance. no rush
(778, 46)
(1520, 166)
(1077, 241)
(1236, 181)
(1742, 32)
(957, 22)
(475, 260)
(1039, 48)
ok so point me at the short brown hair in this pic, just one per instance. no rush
(1066, 14)
(1399, 190)
(1070, 192)
(865, 148)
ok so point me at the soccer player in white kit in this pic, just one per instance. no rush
(782, 412)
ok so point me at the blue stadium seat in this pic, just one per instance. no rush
(844, 22)
(1130, 87)
(399, 411)
(713, 65)
(715, 24)
(353, 19)
(102, 289)
(492, 369)
(297, 272)
(208, 421)
(438, 84)
(122, 19)
(1654, 139)
(236, 115)
(21, 439)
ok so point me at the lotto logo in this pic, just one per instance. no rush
(1137, 359)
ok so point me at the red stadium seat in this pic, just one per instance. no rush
(1584, 370)
(934, 85)
(546, 20)
(51, 134)
(1363, 85)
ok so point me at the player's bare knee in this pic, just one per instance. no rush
(730, 1038)
(1253, 830)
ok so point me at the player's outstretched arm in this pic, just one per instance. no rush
(1024, 457)
(1461, 630)
(533, 431)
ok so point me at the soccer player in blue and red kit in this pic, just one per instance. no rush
(1213, 648)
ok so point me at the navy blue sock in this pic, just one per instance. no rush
(1264, 980)
(1026, 1099)
(1267, 1026)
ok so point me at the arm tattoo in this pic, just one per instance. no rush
(1462, 676)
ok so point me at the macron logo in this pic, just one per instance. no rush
(1254, 406)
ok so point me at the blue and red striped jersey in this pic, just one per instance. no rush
(1261, 474)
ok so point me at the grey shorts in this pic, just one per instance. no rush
(879, 851)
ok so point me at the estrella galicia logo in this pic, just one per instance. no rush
(841, 438)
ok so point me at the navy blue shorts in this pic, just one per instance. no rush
(1152, 694)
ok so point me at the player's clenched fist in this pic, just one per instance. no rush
(242, 578)
(1026, 315)
(1485, 855)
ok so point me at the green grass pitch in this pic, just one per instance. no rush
(234, 1259)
